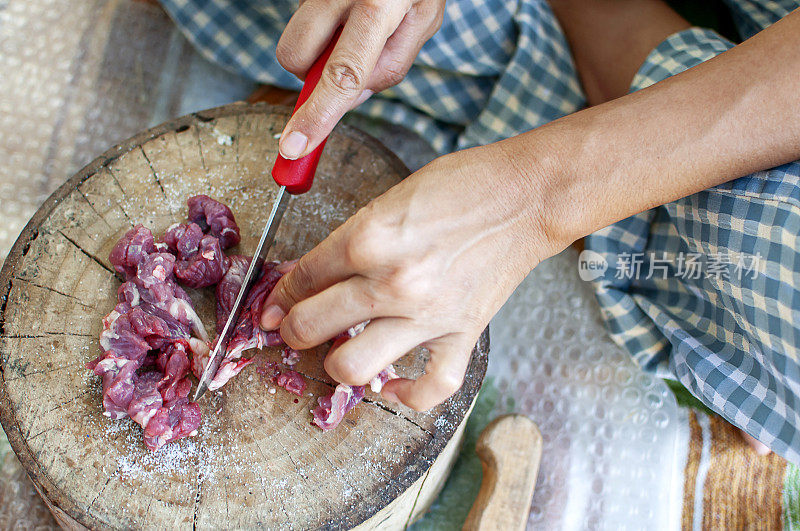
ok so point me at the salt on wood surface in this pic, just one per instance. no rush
(257, 460)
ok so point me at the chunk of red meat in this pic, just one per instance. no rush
(173, 421)
(173, 362)
(292, 381)
(131, 249)
(183, 239)
(214, 217)
(228, 287)
(118, 336)
(146, 399)
(332, 408)
(204, 268)
(153, 329)
(201, 262)
(248, 333)
(118, 384)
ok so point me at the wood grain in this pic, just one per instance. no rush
(510, 449)
(257, 461)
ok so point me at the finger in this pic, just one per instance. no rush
(308, 33)
(315, 271)
(444, 375)
(381, 343)
(403, 47)
(320, 317)
(344, 77)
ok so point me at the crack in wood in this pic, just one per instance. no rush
(47, 335)
(3, 306)
(91, 256)
(91, 206)
(158, 181)
(54, 369)
(53, 290)
(89, 508)
(197, 498)
(202, 157)
(373, 402)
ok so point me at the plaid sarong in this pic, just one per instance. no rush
(705, 290)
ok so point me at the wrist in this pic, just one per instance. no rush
(539, 169)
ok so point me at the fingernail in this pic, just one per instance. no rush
(293, 145)
(272, 317)
(285, 267)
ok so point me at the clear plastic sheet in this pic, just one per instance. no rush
(609, 429)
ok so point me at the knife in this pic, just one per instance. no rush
(294, 177)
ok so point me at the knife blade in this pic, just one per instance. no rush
(253, 272)
(294, 177)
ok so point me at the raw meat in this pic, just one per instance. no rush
(247, 334)
(147, 338)
(214, 217)
(332, 408)
(153, 338)
(200, 260)
(131, 249)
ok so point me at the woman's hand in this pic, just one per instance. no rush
(379, 42)
(429, 262)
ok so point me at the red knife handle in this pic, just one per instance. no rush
(298, 175)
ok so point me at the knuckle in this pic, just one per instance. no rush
(346, 75)
(345, 369)
(363, 248)
(298, 330)
(374, 11)
(393, 74)
(408, 283)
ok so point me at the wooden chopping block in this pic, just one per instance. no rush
(257, 461)
(510, 449)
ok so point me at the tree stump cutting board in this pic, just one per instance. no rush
(257, 460)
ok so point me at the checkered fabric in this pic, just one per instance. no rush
(495, 68)
(726, 327)
(706, 289)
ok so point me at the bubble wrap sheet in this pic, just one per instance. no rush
(81, 75)
(609, 459)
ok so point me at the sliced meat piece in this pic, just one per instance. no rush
(292, 381)
(215, 218)
(131, 249)
(332, 408)
(171, 422)
(200, 260)
(146, 399)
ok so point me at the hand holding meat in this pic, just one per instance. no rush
(428, 263)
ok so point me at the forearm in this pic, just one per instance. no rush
(733, 115)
